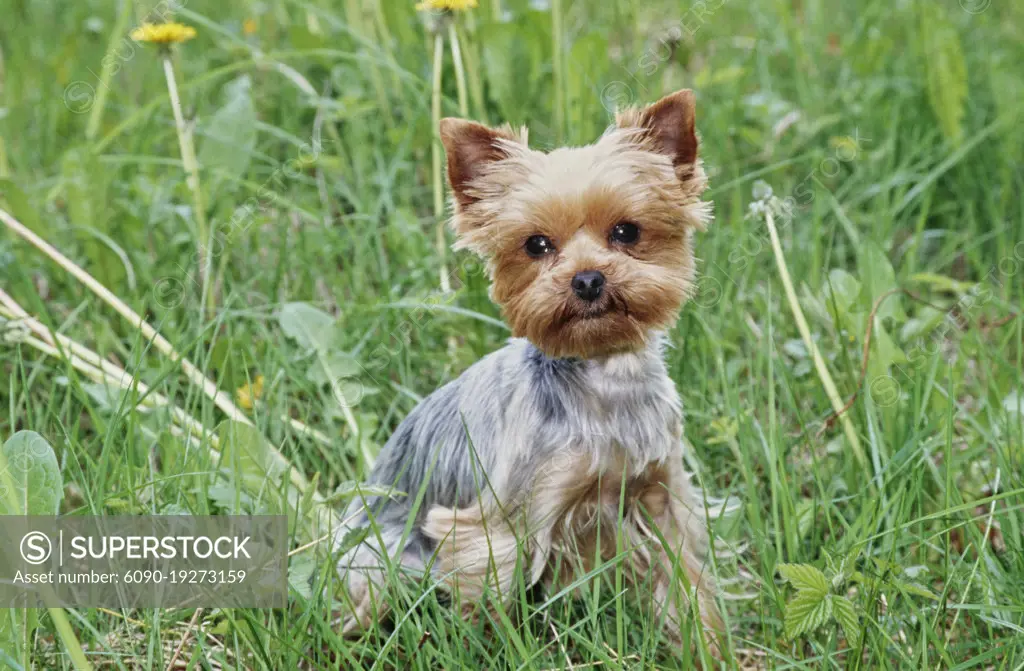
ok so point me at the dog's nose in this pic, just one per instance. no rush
(588, 284)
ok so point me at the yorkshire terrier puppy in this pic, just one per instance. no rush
(565, 446)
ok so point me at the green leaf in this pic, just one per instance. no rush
(30, 484)
(351, 489)
(310, 327)
(229, 137)
(846, 615)
(916, 589)
(333, 366)
(30, 478)
(945, 69)
(886, 353)
(352, 538)
(805, 578)
(247, 455)
(878, 277)
(844, 290)
(301, 572)
(807, 611)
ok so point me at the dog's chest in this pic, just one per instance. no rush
(628, 414)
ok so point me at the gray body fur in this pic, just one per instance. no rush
(521, 409)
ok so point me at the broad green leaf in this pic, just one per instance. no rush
(30, 477)
(246, 454)
(228, 139)
(927, 319)
(310, 327)
(333, 366)
(815, 308)
(349, 490)
(301, 572)
(352, 538)
(885, 351)
(945, 69)
(916, 589)
(229, 499)
(805, 577)
(843, 291)
(806, 612)
(878, 277)
(30, 484)
(805, 511)
(110, 397)
(846, 615)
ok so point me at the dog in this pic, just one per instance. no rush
(565, 446)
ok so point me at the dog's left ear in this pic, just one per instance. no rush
(669, 125)
(471, 148)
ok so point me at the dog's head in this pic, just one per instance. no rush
(588, 248)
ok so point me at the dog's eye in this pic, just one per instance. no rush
(539, 245)
(625, 232)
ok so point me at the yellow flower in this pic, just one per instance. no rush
(163, 33)
(450, 5)
(249, 26)
(248, 394)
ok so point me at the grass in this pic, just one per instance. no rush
(889, 135)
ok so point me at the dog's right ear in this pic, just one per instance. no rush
(471, 148)
(668, 127)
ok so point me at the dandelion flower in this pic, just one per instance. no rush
(248, 394)
(449, 5)
(249, 26)
(163, 33)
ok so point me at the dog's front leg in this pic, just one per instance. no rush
(676, 508)
(480, 545)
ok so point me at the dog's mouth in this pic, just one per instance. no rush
(576, 310)
(589, 328)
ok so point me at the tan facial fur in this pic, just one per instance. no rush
(645, 171)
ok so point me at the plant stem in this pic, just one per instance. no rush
(460, 73)
(188, 158)
(222, 400)
(68, 638)
(104, 372)
(107, 73)
(435, 162)
(805, 333)
(472, 56)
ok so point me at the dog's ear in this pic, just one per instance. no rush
(471, 147)
(669, 126)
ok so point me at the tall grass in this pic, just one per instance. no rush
(888, 133)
